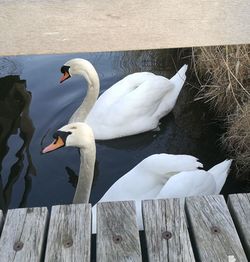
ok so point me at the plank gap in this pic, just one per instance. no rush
(1, 221)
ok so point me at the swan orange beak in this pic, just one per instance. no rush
(57, 143)
(65, 76)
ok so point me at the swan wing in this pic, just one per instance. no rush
(122, 88)
(162, 164)
(143, 91)
(135, 104)
(144, 101)
(189, 183)
(146, 179)
(134, 112)
(135, 96)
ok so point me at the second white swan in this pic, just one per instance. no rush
(133, 105)
(157, 176)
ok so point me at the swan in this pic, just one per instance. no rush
(157, 176)
(133, 105)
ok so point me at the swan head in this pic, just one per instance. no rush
(75, 134)
(77, 66)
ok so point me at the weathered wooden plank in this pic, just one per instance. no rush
(69, 233)
(41, 27)
(239, 207)
(166, 230)
(213, 230)
(23, 234)
(117, 232)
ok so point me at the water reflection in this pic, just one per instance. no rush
(160, 61)
(8, 66)
(14, 119)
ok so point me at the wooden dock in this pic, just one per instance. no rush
(192, 229)
(49, 27)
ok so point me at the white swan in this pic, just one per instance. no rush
(131, 106)
(157, 176)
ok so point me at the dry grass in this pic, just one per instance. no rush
(237, 138)
(224, 76)
(223, 73)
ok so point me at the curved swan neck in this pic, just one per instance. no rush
(86, 174)
(87, 70)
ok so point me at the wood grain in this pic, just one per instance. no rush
(23, 234)
(48, 27)
(213, 230)
(239, 206)
(166, 231)
(117, 232)
(69, 233)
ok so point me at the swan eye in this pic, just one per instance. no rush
(62, 134)
(73, 127)
(65, 69)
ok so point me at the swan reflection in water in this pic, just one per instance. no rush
(14, 120)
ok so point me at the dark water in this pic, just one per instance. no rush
(32, 102)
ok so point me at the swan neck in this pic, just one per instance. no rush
(88, 102)
(86, 174)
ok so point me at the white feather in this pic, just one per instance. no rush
(133, 105)
(165, 176)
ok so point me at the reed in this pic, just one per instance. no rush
(223, 73)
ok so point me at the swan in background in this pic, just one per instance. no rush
(133, 105)
(157, 176)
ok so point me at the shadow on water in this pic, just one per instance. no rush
(14, 120)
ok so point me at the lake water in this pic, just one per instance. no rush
(39, 105)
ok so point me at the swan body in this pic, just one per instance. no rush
(133, 105)
(157, 176)
(163, 176)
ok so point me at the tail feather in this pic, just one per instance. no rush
(179, 78)
(220, 173)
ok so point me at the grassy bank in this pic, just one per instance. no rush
(223, 73)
